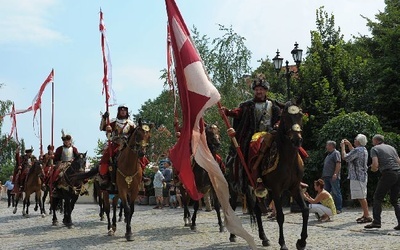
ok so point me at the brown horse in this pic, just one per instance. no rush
(129, 172)
(282, 173)
(33, 184)
(203, 182)
(128, 175)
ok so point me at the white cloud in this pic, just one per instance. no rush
(27, 21)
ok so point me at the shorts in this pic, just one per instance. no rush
(158, 192)
(358, 189)
(172, 199)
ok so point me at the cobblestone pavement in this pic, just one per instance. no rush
(163, 229)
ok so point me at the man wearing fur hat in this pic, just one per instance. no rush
(119, 129)
(254, 120)
(23, 164)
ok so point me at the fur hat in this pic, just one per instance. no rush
(66, 138)
(29, 150)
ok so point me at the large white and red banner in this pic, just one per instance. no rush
(13, 132)
(37, 101)
(197, 94)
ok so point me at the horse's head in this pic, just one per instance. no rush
(36, 167)
(140, 138)
(292, 122)
(213, 137)
(79, 163)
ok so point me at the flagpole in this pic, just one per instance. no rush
(52, 112)
(41, 132)
(105, 82)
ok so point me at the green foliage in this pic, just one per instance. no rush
(348, 126)
(392, 139)
(384, 67)
(101, 145)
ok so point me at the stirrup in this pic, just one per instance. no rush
(260, 191)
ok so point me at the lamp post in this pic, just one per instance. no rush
(278, 61)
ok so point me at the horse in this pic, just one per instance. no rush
(67, 188)
(128, 176)
(203, 182)
(33, 184)
(284, 174)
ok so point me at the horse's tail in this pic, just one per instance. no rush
(81, 176)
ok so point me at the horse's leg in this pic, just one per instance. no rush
(39, 198)
(127, 209)
(301, 243)
(121, 209)
(36, 204)
(194, 216)
(261, 233)
(233, 200)
(45, 192)
(106, 209)
(280, 218)
(114, 219)
(217, 208)
(101, 204)
(54, 203)
(17, 198)
(24, 206)
(186, 212)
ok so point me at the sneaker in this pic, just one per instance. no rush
(338, 211)
(373, 225)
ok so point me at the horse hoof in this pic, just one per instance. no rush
(101, 218)
(110, 232)
(300, 245)
(221, 229)
(120, 219)
(43, 215)
(35, 209)
(232, 239)
(129, 237)
(266, 243)
(70, 226)
(55, 223)
(193, 228)
(15, 210)
(284, 247)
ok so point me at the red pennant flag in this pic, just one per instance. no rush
(196, 94)
(37, 101)
(107, 66)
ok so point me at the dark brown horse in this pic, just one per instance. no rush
(203, 182)
(282, 173)
(33, 184)
(67, 188)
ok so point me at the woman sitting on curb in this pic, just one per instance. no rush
(322, 205)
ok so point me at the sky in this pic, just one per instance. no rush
(38, 35)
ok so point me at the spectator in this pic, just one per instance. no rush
(172, 195)
(357, 160)
(387, 161)
(10, 195)
(331, 174)
(158, 184)
(167, 173)
(322, 205)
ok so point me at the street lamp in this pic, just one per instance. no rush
(278, 61)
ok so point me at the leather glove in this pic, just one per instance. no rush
(106, 115)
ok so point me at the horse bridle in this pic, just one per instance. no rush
(139, 145)
(296, 128)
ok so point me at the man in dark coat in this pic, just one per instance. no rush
(23, 164)
(254, 122)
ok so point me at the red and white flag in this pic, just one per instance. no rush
(13, 133)
(107, 66)
(196, 94)
(37, 101)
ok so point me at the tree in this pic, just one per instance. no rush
(384, 64)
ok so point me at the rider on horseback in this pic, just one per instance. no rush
(255, 122)
(23, 164)
(63, 157)
(47, 160)
(119, 128)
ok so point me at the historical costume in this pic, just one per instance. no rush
(23, 164)
(119, 128)
(48, 162)
(63, 157)
(254, 123)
